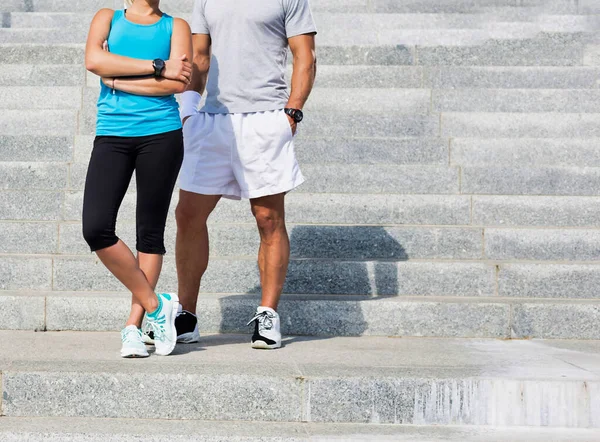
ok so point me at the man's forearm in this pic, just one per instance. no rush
(303, 79)
(200, 69)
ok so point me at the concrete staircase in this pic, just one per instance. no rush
(452, 150)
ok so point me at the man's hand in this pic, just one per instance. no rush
(179, 69)
(293, 124)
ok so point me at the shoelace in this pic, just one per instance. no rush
(128, 332)
(157, 327)
(265, 320)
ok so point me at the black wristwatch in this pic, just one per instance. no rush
(159, 66)
(296, 114)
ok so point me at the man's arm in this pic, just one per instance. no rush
(201, 62)
(181, 49)
(200, 67)
(303, 73)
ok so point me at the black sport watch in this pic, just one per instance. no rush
(159, 66)
(296, 114)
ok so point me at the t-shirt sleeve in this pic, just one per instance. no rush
(199, 24)
(298, 18)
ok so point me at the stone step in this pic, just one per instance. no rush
(307, 241)
(327, 178)
(331, 22)
(519, 125)
(427, 151)
(546, 49)
(44, 205)
(346, 32)
(424, 277)
(365, 243)
(156, 430)
(518, 314)
(418, 101)
(338, 380)
(331, 76)
(526, 152)
(507, 7)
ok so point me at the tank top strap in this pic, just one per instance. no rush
(168, 21)
(119, 14)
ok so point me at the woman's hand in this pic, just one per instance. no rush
(179, 69)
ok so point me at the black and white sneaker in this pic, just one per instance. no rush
(186, 324)
(267, 326)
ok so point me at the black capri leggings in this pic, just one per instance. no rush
(156, 160)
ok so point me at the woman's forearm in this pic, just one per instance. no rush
(149, 86)
(106, 64)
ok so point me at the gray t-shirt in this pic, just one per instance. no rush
(249, 51)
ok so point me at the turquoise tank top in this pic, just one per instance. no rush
(127, 115)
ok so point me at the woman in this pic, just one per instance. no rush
(141, 54)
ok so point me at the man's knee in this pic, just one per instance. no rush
(188, 215)
(269, 221)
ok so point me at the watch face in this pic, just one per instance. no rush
(298, 116)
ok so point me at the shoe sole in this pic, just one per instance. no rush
(175, 302)
(134, 355)
(261, 345)
(188, 338)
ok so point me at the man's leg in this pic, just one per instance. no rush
(191, 248)
(274, 252)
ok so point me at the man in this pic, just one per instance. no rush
(240, 144)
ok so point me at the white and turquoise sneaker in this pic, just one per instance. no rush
(133, 346)
(162, 323)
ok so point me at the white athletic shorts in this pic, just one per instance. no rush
(239, 155)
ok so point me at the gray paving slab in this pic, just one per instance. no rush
(561, 321)
(369, 101)
(520, 125)
(44, 54)
(549, 281)
(31, 148)
(22, 312)
(536, 211)
(341, 380)
(542, 244)
(36, 205)
(20, 237)
(517, 152)
(426, 151)
(31, 273)
(591, 56)
(39, 122)
(516, 100)
(545, 50)
(380, 179)
(387, 55)
(55, 97)
(531, 181)
(32, 175)
(369, 76)
(42, 75)
(516, 77)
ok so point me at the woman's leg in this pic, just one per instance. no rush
(109, 173)
(151, 265)
(158, 161)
